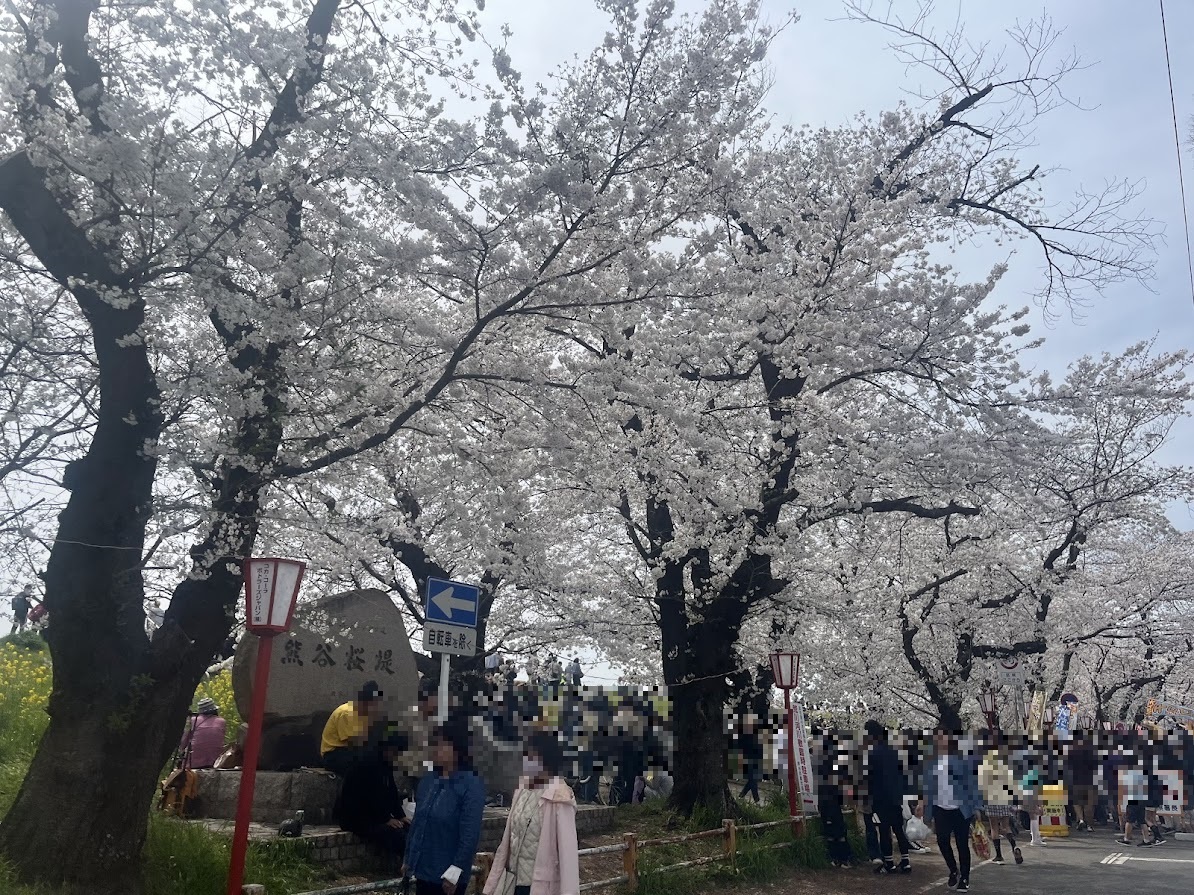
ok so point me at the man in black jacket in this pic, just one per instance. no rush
(886, 785)
(370, 804)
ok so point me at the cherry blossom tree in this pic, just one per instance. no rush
(285, 252)
(837, 371)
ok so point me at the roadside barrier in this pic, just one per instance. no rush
(628, 848)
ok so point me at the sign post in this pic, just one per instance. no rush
(450, 628)
(1012, 674)
(785, 668)
(271, 590)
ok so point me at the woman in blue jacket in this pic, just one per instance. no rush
(447, 820)
(950, 798)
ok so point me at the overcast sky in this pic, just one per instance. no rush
(827, 70)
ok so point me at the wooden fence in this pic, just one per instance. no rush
(631, 845)
(628, 848)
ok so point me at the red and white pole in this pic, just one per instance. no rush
(795, 810)
(248, 774)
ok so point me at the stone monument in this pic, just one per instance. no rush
(335, 644)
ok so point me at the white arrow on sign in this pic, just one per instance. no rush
(446, 603)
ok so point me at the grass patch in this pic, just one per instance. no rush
(757, 860)
(181, 857)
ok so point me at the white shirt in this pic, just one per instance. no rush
(945, 791)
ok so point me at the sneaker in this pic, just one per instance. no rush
(953, 879)
(1083, 827)
(905, 866)
(963, 885)
(1159, 840)
(998, 859)
(1143, 844)
(1122, 841)
(885, 867)
(1019, 855)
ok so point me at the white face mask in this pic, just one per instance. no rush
(531, 767)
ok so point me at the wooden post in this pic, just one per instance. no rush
(630, 860)
(731, 830)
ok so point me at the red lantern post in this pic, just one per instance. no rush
(785, 668)
(271, 590)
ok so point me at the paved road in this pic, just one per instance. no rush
(1087, 864)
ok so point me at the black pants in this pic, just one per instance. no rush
(391, 842)
(949, 824)
(891, 819)
(342, 761)
(872, 837)
(833, 828)
(751, 786)
(425, 888)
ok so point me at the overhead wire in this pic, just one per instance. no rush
(1177, 138)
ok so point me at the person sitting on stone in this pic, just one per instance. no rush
(203, 740)
(370, 804)
(345, 740)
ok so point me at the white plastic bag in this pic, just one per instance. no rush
(408, 808)
(916, 830)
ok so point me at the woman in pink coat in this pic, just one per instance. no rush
(538, 851)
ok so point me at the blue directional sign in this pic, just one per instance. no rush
(452, 602)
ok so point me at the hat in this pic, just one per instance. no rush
(369, 692)
(207, 706)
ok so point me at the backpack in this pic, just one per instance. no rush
(178, 791)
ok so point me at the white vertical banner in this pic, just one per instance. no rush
(1173, 802)
(805, 781)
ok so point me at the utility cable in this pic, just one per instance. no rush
(1177, 139)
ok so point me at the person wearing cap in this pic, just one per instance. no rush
(203, 740)
(347, 731)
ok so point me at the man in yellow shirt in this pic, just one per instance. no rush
(346, 733)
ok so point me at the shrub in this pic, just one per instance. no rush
(25, 681)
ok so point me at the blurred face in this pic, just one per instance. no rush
(532, 764)
(943, 741)
(443, 755)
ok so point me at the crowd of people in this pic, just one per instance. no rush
(410, 788)
(908, 780)
(616, 734)
(547, 679)
(434, 831)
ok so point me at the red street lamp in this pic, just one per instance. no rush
(785, 668)
(986, 702)
(271, 590)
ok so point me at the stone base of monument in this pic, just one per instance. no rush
(276, 796)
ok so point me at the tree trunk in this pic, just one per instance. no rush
(699, 656)
(698, 731)
(80, 814)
